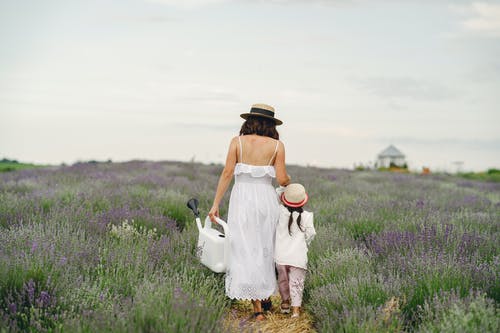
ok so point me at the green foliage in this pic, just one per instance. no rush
(364, 319)
(353, 304)
(428, 284)
(361, 228)
(445, 314)
(491, 175)
(337, 266)
(7, 165)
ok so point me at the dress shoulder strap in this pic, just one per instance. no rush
(241, 150)
(275, 150)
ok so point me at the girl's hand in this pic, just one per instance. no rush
(214, 212)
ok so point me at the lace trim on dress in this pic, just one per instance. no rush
(247, 292)
(250, 294)
(255, 170)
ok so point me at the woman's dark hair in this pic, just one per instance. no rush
(260, 126)
(290, 220)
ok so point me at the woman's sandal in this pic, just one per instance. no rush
(285, 306)
(267, 305)
(256, 315)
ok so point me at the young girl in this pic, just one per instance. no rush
(294, 232)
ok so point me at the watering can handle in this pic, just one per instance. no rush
(208, 224)
(227, 243)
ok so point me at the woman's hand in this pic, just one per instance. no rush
(214, 212)
(280, 190)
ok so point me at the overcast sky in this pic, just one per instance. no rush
(167, 79)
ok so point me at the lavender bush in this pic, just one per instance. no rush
(110, 247)
(448, 312)
(403, 237)
(105, 247)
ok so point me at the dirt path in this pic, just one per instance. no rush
(239, 319)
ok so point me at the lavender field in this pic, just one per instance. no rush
(110, 247)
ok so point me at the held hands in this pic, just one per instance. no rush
(214, 212)
(280, 190)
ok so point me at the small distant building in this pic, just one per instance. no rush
(391, 156)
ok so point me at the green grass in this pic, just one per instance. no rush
(13, 165)
(491, 175)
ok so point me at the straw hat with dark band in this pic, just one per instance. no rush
(262, 110)
(294, 195)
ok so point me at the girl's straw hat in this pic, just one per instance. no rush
(295, 195)
(262, 110)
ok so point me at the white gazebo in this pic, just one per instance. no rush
(390, 156)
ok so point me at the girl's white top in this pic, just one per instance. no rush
(292, 249)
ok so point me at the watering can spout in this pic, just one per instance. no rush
(193, 205)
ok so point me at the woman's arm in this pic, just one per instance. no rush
(279, 164)
(225, 179)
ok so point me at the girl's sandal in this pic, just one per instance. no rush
(285, 306)
(259, 316)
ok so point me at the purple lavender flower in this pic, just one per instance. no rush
(30, 290)
(34, 246)
(13, 308)
(44, 299)
(178, 293)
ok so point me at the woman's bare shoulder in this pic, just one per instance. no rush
(281, 145)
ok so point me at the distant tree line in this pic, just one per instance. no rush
(5, 160)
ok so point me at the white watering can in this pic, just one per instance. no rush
(213, 246)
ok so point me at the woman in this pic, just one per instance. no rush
(255, 157)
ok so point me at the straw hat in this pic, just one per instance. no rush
(262, 110)
(295, 195)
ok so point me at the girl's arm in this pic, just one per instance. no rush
(225, 179)
(279, 164)
(310, 231)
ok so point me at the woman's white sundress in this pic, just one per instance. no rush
(252, 218)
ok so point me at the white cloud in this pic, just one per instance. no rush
(188, 4)
(481, 144)
(210, 96)
(195, 4)
(480, 18)
(406, 88)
